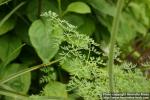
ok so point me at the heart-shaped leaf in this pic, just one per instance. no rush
(45, 38)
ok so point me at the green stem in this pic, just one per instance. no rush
(19, 96)
(10, 77)
(4, 2)
(9, 14)
(112, 43)
(39, 8)
(13, 94)
(59, 7)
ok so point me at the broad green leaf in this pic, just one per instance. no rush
(9, 48)
(127, 30)
(20, 84)
(74, 19)
(88, 27)
(26, 70)
(7, 26)
(102, 6)
(45, 38)
(46, 5)
(139, 13)
(78, 7)
(55, 89)
(84, 24)
(13, 94)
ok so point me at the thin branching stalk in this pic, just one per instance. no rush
(112, 42)
(19, 73)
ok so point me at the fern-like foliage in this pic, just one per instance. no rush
(145, 67)
(49, 75)
(84, 60)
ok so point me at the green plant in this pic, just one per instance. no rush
(69, 43)
(114, 31)
(89, 78)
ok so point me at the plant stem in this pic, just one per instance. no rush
(19, 73)
(12, 12)
(39, 8)
(13, 94)
(4, 2)
(114, 31)
(59, 7)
